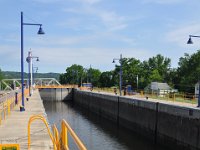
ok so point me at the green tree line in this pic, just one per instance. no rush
(155, 69)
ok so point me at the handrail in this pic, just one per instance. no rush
(56, 136)
(66, 127)
(56, 86)
(46, 124)
(60, 141)
(8, 102)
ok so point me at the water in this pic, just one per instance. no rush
(95, 132)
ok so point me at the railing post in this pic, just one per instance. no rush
(64, 135)
(4, 111)
(0, 116)
(8, 106)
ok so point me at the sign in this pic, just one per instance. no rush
(9, 147)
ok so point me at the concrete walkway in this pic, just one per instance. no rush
(14, 128)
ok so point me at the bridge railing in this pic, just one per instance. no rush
(56, 86)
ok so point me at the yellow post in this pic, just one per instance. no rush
(174, 97)
(8, 106)
(64, 136)
(0, 117)
(56, 138)
(74, 136)
(141, 93)
(4, 111)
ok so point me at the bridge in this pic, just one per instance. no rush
(12, 84)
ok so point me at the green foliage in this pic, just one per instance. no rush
(131, 69)
(155, 69)
(107, 79)
(188, 71)
(155, 76)
(76, 74)
(93, 76)
(1, 75)
(17, 75)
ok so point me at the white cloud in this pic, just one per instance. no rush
(48, 1)
(162, 1)
(90, 1)
(180, 35)
(109, 19)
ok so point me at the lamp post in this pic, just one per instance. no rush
(191, 42)
(36, 70)
(40, 31)
(120, 73)
(29, 59)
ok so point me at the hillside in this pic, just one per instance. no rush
(17, 75)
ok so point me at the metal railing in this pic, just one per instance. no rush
(8, 101)
(56, 86)
(179, 97)
(60, 141)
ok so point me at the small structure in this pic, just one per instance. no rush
(86, 86)
(159, 88)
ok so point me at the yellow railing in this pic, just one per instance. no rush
(179, 97)
(57, 86)
(35, 117)
(64, 139)
(60, 141)
(9, 103)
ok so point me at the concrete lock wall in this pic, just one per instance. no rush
(56, 94)
(167, 124)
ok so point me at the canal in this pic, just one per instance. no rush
(96, 133)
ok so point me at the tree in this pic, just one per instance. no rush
(155, 76)
(131, 69)
(106, 79)
(1, 75)
(62, 78)
(74, 74)
(93, 76)
(159, 63)
(188, 71)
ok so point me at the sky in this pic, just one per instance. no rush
(93, 32)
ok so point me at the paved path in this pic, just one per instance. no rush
(14, 128)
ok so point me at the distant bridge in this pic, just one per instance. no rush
(13, 84)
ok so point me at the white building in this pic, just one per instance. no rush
(159, 88)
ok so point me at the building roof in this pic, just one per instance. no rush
(160, 86)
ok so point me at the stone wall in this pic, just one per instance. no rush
(56, 94)
(163, 123)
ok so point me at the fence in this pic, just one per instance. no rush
(8, 101)
(179, 97)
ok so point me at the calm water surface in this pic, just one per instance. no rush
(95, 132)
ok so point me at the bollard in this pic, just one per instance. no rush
(16, 98)
(21, 108)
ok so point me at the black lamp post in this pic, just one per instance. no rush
(40, 31)
(191, 42)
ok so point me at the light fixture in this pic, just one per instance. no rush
(40, 31)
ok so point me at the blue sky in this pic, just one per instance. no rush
(93, 32)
